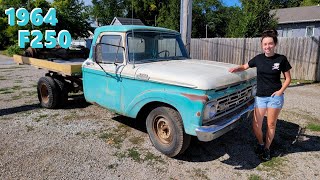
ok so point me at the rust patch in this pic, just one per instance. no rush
(196, 97)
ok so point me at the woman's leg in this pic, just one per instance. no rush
(272, 117)
(257, 123)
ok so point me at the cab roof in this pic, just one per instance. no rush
(128, 28)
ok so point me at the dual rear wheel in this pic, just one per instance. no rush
(52, 92)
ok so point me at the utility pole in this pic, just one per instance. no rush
(186, 22)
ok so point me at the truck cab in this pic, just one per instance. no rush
(145, 72)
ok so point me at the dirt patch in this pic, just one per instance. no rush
(84, 141)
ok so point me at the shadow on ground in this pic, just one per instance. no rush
(74, 102)
(236, 148)
(19, 109)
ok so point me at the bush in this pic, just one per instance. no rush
(14, 49)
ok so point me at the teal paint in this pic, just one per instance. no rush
(127, 96)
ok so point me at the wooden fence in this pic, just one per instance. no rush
(303, 53)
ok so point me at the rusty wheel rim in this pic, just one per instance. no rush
(44, 93)
(163, 130)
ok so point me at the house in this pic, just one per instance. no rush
(298, 21)
(126, 21)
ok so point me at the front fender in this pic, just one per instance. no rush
(190, 109)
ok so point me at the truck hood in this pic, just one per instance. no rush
(197, 74)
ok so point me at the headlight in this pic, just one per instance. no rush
(210, 110)
(254, 90)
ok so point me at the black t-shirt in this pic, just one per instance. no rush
(268, 72)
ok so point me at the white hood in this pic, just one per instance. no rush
(198, 74)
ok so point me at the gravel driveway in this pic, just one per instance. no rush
(84, 141)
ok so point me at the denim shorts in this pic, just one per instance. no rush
(269, 102)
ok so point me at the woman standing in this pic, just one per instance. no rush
(269, 99)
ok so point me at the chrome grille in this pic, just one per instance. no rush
(232, 101)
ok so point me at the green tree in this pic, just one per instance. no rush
(310, 2)
(169, 14)
(251, 19)
(72, 16)
(104, 11)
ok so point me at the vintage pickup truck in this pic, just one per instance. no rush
(145, 72)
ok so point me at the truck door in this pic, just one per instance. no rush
(102, 83)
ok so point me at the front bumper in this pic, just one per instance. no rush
(208, 133)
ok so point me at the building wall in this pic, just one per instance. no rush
(297, 29)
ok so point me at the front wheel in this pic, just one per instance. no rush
(165, 129)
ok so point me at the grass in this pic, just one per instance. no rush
(29, 93)
(113, 166)
(16, 97)
(6, 91)
(134, 154)
(39, 118)
(254, 177)
(136, 140)
(299, 81)
(273, 165)
(18, 81)
(17, 87)
(70, 116)
(199, 173)
(153, 158)
(112, 138)
(2, 78)
(313, 127)
(29, 128)
(116, 136)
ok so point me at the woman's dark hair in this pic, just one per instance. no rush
(270, 33)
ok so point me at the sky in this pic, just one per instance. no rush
(226, 2)
(231, 2)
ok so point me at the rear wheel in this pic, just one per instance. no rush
(47, 92)
(62, 91)
(165, 129)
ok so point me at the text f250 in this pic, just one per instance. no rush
(63, 38)
(35, 17)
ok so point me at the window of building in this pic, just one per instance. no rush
(287, 32)
(309, 31)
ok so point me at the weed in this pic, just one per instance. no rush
(5, 118)
(199, 173)
(83, 135)
(17, 87)
(254, 177)
(3, 78)
(6, 92)
(299, 81)
(5, 89)
(16, 97)
(313, 127)
(69, 117)
(29, 128)
(152, 158)
(134, 154)
(18, 81)
(113, 166)
(120, 155)
(274, 164)
(136, 140)
(39, 118)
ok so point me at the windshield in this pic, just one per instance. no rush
(144, 47)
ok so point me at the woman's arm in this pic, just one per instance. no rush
(239, 68)
(285, 84)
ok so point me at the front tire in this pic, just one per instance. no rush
(166, 132)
